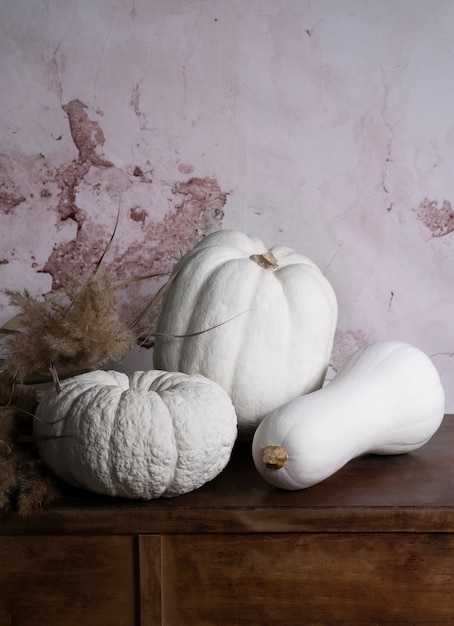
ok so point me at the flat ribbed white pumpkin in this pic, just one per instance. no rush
(143, 436)
(387, 398)
(272, 316)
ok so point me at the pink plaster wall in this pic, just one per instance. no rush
(326, 126)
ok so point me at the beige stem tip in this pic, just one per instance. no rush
(266, 260)
(275, 457)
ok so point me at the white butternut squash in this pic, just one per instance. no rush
(387, 398)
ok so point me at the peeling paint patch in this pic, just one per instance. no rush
(87, 135)
(77, 257)
(438, 219)
(185, 169)
(72, 208)
(19, 176)
(345, 344)
(197, 210)
(138, 215)
(88, 138)
(202, 193)
(9, 201)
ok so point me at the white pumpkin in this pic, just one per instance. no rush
(148, 435)
(387, 398)
(271, 314)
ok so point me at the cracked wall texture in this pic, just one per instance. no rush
(326, 126)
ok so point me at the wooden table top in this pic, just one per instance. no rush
(405, 493)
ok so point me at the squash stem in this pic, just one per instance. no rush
(275, 457)
(266, 260)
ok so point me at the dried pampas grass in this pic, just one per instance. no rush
(25, 483)
(77, 330)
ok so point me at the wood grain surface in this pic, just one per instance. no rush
(297, 579)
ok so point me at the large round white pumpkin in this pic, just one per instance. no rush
(143, 436)
(269, 316)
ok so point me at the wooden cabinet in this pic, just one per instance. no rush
(373, 544)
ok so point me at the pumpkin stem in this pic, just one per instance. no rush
(266, 260)
(275, 457)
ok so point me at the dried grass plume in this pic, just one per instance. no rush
(76, 330)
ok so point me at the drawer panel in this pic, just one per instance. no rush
(293, 579)
(66, 581)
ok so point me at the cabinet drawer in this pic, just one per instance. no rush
(292, 579)
(67, 580)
